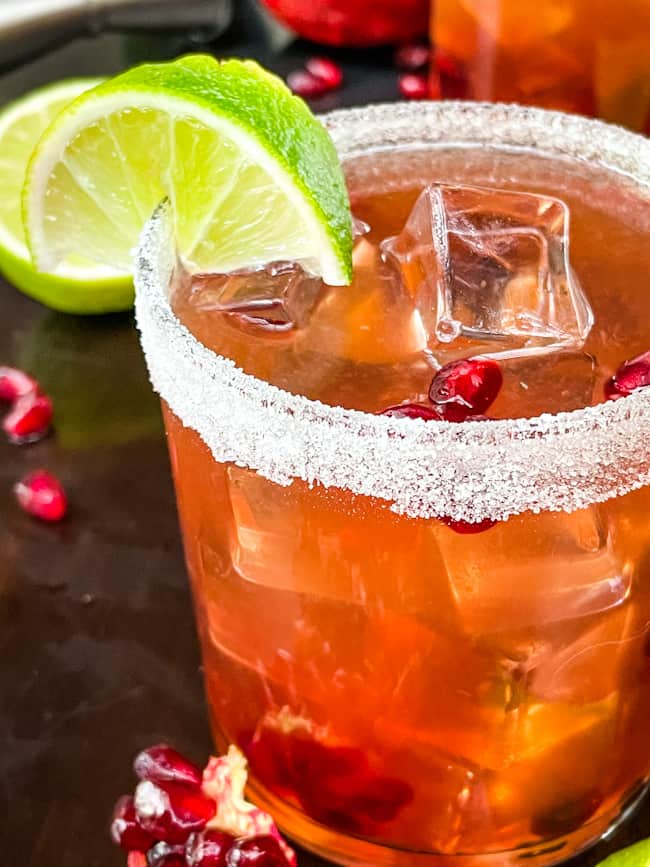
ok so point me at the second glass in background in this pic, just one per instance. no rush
(586, 56)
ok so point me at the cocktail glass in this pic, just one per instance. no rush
(407, 694)
(586, 56)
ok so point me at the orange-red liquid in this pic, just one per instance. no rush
(585, 56)
(400, 689)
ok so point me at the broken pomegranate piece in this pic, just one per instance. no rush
(41, 495)
(15, 383)
(630, 376)
(162, 763)
(208, 849)
(125, 830)
(260, 851)
(172, 811)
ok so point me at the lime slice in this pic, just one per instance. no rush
(634, 856)
(77, 286)
(252, 175)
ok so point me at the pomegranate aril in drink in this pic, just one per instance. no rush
(15, 383)
(470, 384)
(303, 83)
(162, 763)
(41, 494)
(260, 851)
(29, 419)
(413, 86)
(125, 830)
(466, 527)
(329, 72)
(172, 811)
(164, 855)
(208, 849)
(412, 57)
(631, 375)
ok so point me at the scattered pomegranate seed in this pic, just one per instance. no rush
(470, 385)
(326, 70)
(15, 383)
(172, 811)
(125, 831)
(208, 849)
(466, 527)
(29, 418)
(41, 494)
(413, 410)
(162, 763)
(631, 375)
(305, 84)
(260, 851)
(412, 58)
(164, 855)
(413, 86)
(136, 859)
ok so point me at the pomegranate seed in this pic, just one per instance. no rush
(162, 763)
(15, 383)
(631, 375)
(260, 851)
(208, 849)
(164, 855)
(41, 494)
(466, 527)
(329, 72)
(136, 859)
(305, 84)
(412, 58)
(172, 811)
(413, 86)
(125, 831)
(470, 385)
(414, 410)
(29, 419)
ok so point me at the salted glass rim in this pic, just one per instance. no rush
(471, 471)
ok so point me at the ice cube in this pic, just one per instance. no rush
(278, 297)
(533, 570)
(491, 267)
(557, 381)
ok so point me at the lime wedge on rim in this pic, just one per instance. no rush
(78, 285)
(251, 174)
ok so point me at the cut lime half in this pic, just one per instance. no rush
(78, 285)
(251, 174)
(637, 855)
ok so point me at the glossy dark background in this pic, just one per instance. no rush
(98, 656)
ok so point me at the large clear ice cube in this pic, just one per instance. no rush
(491, 267)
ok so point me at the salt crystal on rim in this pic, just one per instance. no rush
(469, 472)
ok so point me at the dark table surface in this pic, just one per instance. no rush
(98, 655)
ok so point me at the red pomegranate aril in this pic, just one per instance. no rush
(329, 72)
(136, 859)
(467, 527)
(630, 376)
(412, 58)
(469, 384)
(172, 811)
(413, 410)
(260, 851)
(29, 418)
(164, 855)
(208, 849)
(15, 383)
(304, 84)
(41, 495)
(125, 831)
(413, 86)
(161, 763)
